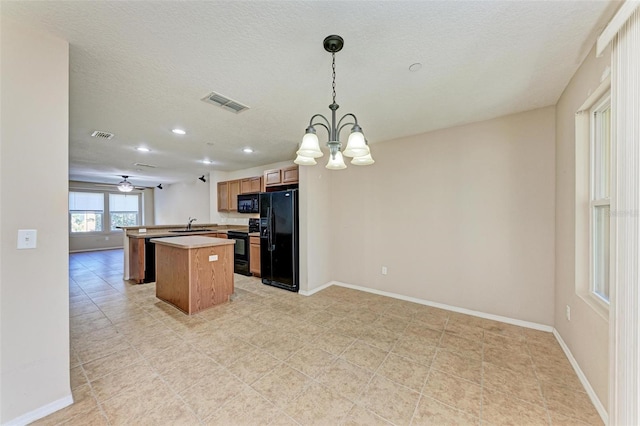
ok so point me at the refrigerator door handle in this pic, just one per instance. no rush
(273, 231)
(269, 230)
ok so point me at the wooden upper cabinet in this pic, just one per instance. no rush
(223, 197)
(290, 175)
(272, 177)
(251, 185)
(228, 192)
(284, 176)
(234, 190)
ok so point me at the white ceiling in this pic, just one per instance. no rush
(139, 69)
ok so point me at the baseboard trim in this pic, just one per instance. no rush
(315, 290)
(95, 249)
(507, 320)
(41, 412)
(583, 379)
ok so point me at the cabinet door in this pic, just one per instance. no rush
(272, 177)
(251, 185)
(254, 256)
(223, 197)
(256, 184)
(136, 259)
(234, 190)
(290, 175)
(245, 186)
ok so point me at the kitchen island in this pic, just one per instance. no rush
(194, 272)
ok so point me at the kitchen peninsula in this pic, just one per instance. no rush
(139, 257)
(194, 273)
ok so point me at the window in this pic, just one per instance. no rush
(123, 210)
(103, 211)
(600, 201)
(86, 210)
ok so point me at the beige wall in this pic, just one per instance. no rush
(317, 237)
(586, 334)
(462, 216)
(109, 239)
(34, 305)
(176, 203)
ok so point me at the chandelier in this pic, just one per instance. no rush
(125, 185)
(357, 146)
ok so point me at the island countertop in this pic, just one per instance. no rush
(192, 241)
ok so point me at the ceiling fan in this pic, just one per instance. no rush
(123, 186)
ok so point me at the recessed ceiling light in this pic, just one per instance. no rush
(207, 161)
(179, 132)
(247, 150)
(143, 149)
(415, 67)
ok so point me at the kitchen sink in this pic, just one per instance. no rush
(192, 230)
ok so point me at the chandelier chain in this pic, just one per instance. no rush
(333, 66)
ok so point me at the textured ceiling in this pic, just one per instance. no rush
(139, 69)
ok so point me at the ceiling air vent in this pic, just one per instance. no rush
(223, 102)
(102, 135)
(145, 165)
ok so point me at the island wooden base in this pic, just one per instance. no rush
(189, 280)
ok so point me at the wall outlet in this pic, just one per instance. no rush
(106, 238)
(213, 258)
(384, 270)
(568, 313)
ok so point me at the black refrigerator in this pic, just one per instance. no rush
(279, 239)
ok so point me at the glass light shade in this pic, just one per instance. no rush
(356, 145)
(365, 160)
(336, 163)
(310, 146)
(125, 186)
(305, 161)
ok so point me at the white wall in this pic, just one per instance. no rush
(174, 204)
(34, 304)
(587, 333)
(462, 216)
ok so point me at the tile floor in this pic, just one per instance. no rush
(339, 357)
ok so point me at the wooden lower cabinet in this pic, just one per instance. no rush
(136, 260)
(254, 256)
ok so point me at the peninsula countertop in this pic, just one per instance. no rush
(177, 230)
(192, 241)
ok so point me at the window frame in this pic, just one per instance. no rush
(598, 200)
(139, 212)
(583, 206)
(70, 212)
(106, 213)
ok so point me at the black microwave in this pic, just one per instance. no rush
(248, 203)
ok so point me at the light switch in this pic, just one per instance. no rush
(27, 238)
(213, 258)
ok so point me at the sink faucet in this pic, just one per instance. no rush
(189, 224)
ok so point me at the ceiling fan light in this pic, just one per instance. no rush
(356, 145)
(364, 160)
(125, 186)
(310, 147)
(336, 162)
(305, 161)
